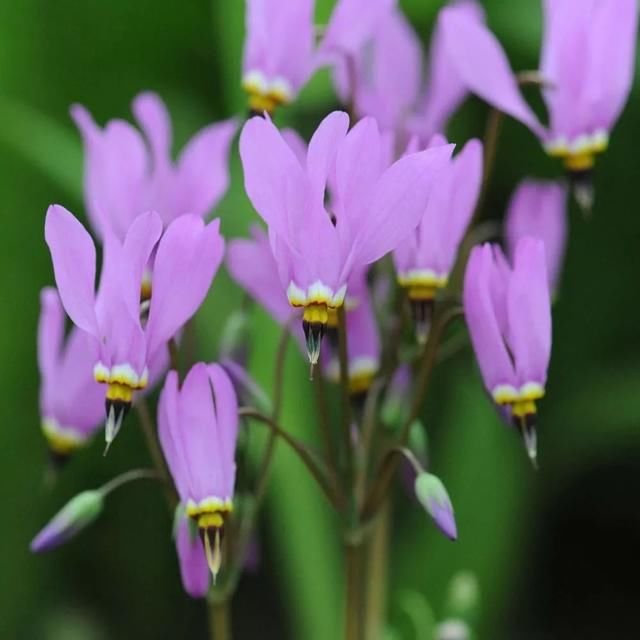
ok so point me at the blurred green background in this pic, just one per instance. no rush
(555, 552)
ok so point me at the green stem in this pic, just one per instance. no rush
(126, 477)
(324, 420)
(157, 458)
(353, 587)
(377, 574)
(219, 619)
(346, 399)
(316, 466)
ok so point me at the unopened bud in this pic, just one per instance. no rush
(74, 517)
(433, 496)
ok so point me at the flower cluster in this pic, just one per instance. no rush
(369, 230)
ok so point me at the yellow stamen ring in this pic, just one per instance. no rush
(61, 440)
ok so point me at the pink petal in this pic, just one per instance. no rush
(488, 343)
(529, 309)
(539, 210)
(398, 202)
(203, 169)
(187, 258)
(139, 243)
(194, 569)
(273, 177)
(153, 117)
(50, 331)
(252, 266)
(74, 264)
(483, 66)
(226, 408)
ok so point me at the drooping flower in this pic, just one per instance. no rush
(71, 401)
(539, 209)
(373, 207)
(444, 89)
(508, 312)
(278, 51)
(198, 428)
(127, 173)
(73, 518)
(194, 570)
(128, 339)
(425, 259)
(383, 77)
(363, 339)
(587, 63)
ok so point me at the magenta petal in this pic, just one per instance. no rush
(484, 327)
(194, 570)
(187, 258)
(50, 331)
(172, 437)
(529, 310)
(203, 169)
(352, 23)
(74, 264)
(138, 245)
(398, 202)
(539, 209)
(483, 66)
(273, 178)
(226, 408)
(152, 115)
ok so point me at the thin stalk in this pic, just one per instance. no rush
(375, 605)
(346, 399)
(219, 619)
(429, 358)
(324, 420)
(316, 466)
(126, 477)
(491, 136)
(278, 376)
(353, 588)
(157, 458)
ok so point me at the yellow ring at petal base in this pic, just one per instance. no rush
(61, 440)
(117, 391)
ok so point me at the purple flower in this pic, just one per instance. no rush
(539, 209)
(382, 77)
(278, 51)
(374, 206)
(198, 428)
(363, 339)
(351, 25)
(71, 401)
(587, 60)
(128, 339)
(444, 89)
(424, 260)
(433, 496)
(192, 558)
(126, 173)
(73, 518)
(508, 311)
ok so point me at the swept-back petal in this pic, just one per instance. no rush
(187, 258)
(539, 209)
(273, 178)
(194, 569)
(226, 409)
(50, 331)
(398, 203)
(529, 311)
(74, 263)
(203, 169)
(139, 243)
(483, 66)
(153, 118)
(488, 343)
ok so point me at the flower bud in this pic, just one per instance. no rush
(75, 516)
(433, 496)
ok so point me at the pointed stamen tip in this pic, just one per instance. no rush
(214, 556)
